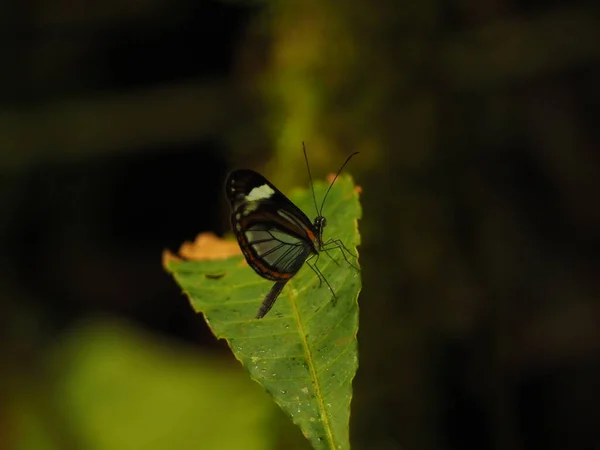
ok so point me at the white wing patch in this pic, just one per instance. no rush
(250, 208)
(259, 193)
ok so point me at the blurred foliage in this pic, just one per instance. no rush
(107, 386)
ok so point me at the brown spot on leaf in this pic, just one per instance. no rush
(206, 246)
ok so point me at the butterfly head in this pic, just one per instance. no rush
(320, 221)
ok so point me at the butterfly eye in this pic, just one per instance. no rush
(320, 222)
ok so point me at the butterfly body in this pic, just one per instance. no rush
(274, 235)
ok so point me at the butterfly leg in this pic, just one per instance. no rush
(325, 250)
(313, 266)
(320, 275)
(337, 243)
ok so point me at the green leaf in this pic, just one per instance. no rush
(304, 352)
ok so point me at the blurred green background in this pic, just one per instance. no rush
(477, 123)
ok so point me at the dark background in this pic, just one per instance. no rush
(477, 127)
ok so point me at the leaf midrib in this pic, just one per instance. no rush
(312, 370)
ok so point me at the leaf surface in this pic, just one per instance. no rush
(304, 352)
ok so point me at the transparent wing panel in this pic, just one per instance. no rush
(281, 251)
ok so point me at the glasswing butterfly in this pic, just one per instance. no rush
(275, 236)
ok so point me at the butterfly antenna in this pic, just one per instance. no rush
(335, 178)
(310, 178)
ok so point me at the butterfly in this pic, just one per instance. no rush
(275, 236)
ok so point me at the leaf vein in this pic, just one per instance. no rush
(328, 364)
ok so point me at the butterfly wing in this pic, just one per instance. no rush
(275, 236)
